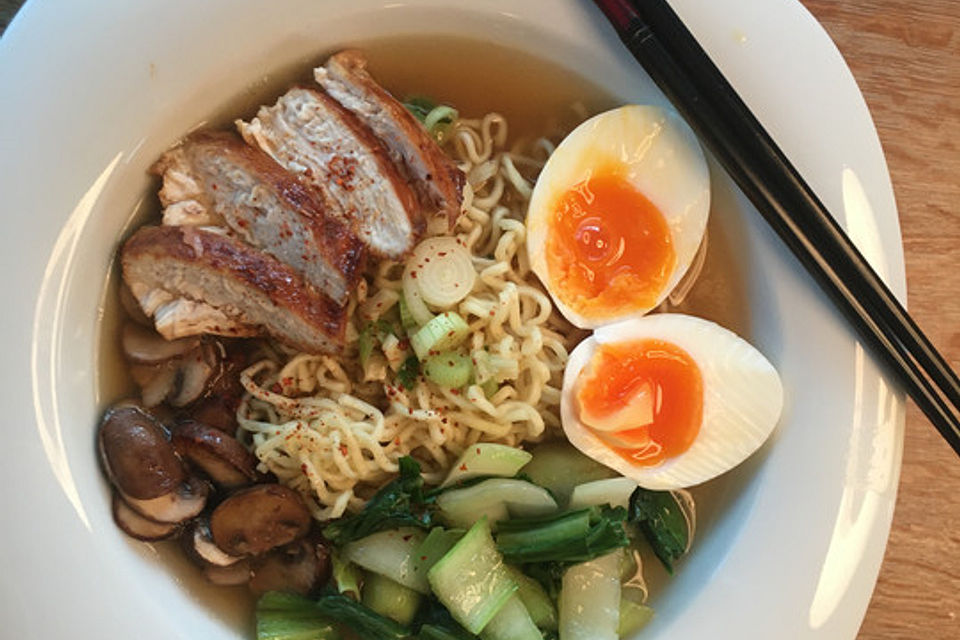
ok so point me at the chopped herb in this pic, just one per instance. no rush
(419, 106)
(408, 372)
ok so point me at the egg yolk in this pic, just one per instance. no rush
(609, 249)
(643, 398)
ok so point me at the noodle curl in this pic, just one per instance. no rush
(334, 430)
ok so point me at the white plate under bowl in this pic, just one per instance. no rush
(94, 91)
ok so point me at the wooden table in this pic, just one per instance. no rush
(905, 54)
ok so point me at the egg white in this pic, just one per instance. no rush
(742, 399)
(661, 158)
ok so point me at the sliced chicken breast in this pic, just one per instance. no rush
(311, 135)
(436, 179)
(249, 287)
(215, 178)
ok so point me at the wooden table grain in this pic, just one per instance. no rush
(905, 54)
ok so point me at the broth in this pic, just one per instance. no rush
(476, 77)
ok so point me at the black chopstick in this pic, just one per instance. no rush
(670, 54)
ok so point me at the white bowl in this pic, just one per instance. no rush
(94, 91)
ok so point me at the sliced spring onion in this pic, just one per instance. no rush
(443, 271)
(487, 459)
(417, 308)
(444, 332)
(439, 121)
(395, 351)
(492, 366)
(410, 325)
(365, 343)
(448, 369)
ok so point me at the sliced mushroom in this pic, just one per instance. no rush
(160, 385)
(194, 373)
(199, 546)
(259, 518)
(145, 346)
(297, 567)
(135, 525)
(137, 456)
(218, 408)
(185, 502)
(220, 456)
(230, 576)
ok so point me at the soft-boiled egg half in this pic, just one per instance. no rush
(669, 400)
(617, 214)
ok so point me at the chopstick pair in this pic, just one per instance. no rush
(670, 54)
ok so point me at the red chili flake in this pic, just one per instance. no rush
(492, 313)
(463, 467)
(455, 392)
(410, 410)
(404, 344)
(444, 421)
(275, 387)
(396, 441)
(423, 557)
(450, 333)
(214, 186)
(426, 259)
(407, 537)
(303, 468)
(441, 253)
(413, 274)
(478, 450)
(343, 449)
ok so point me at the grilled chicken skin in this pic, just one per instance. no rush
(247, 287)
(214, 178)
(312, 136)
(434, 176)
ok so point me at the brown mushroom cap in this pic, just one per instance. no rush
(220, 456)
(259, 518)
(136, 454)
